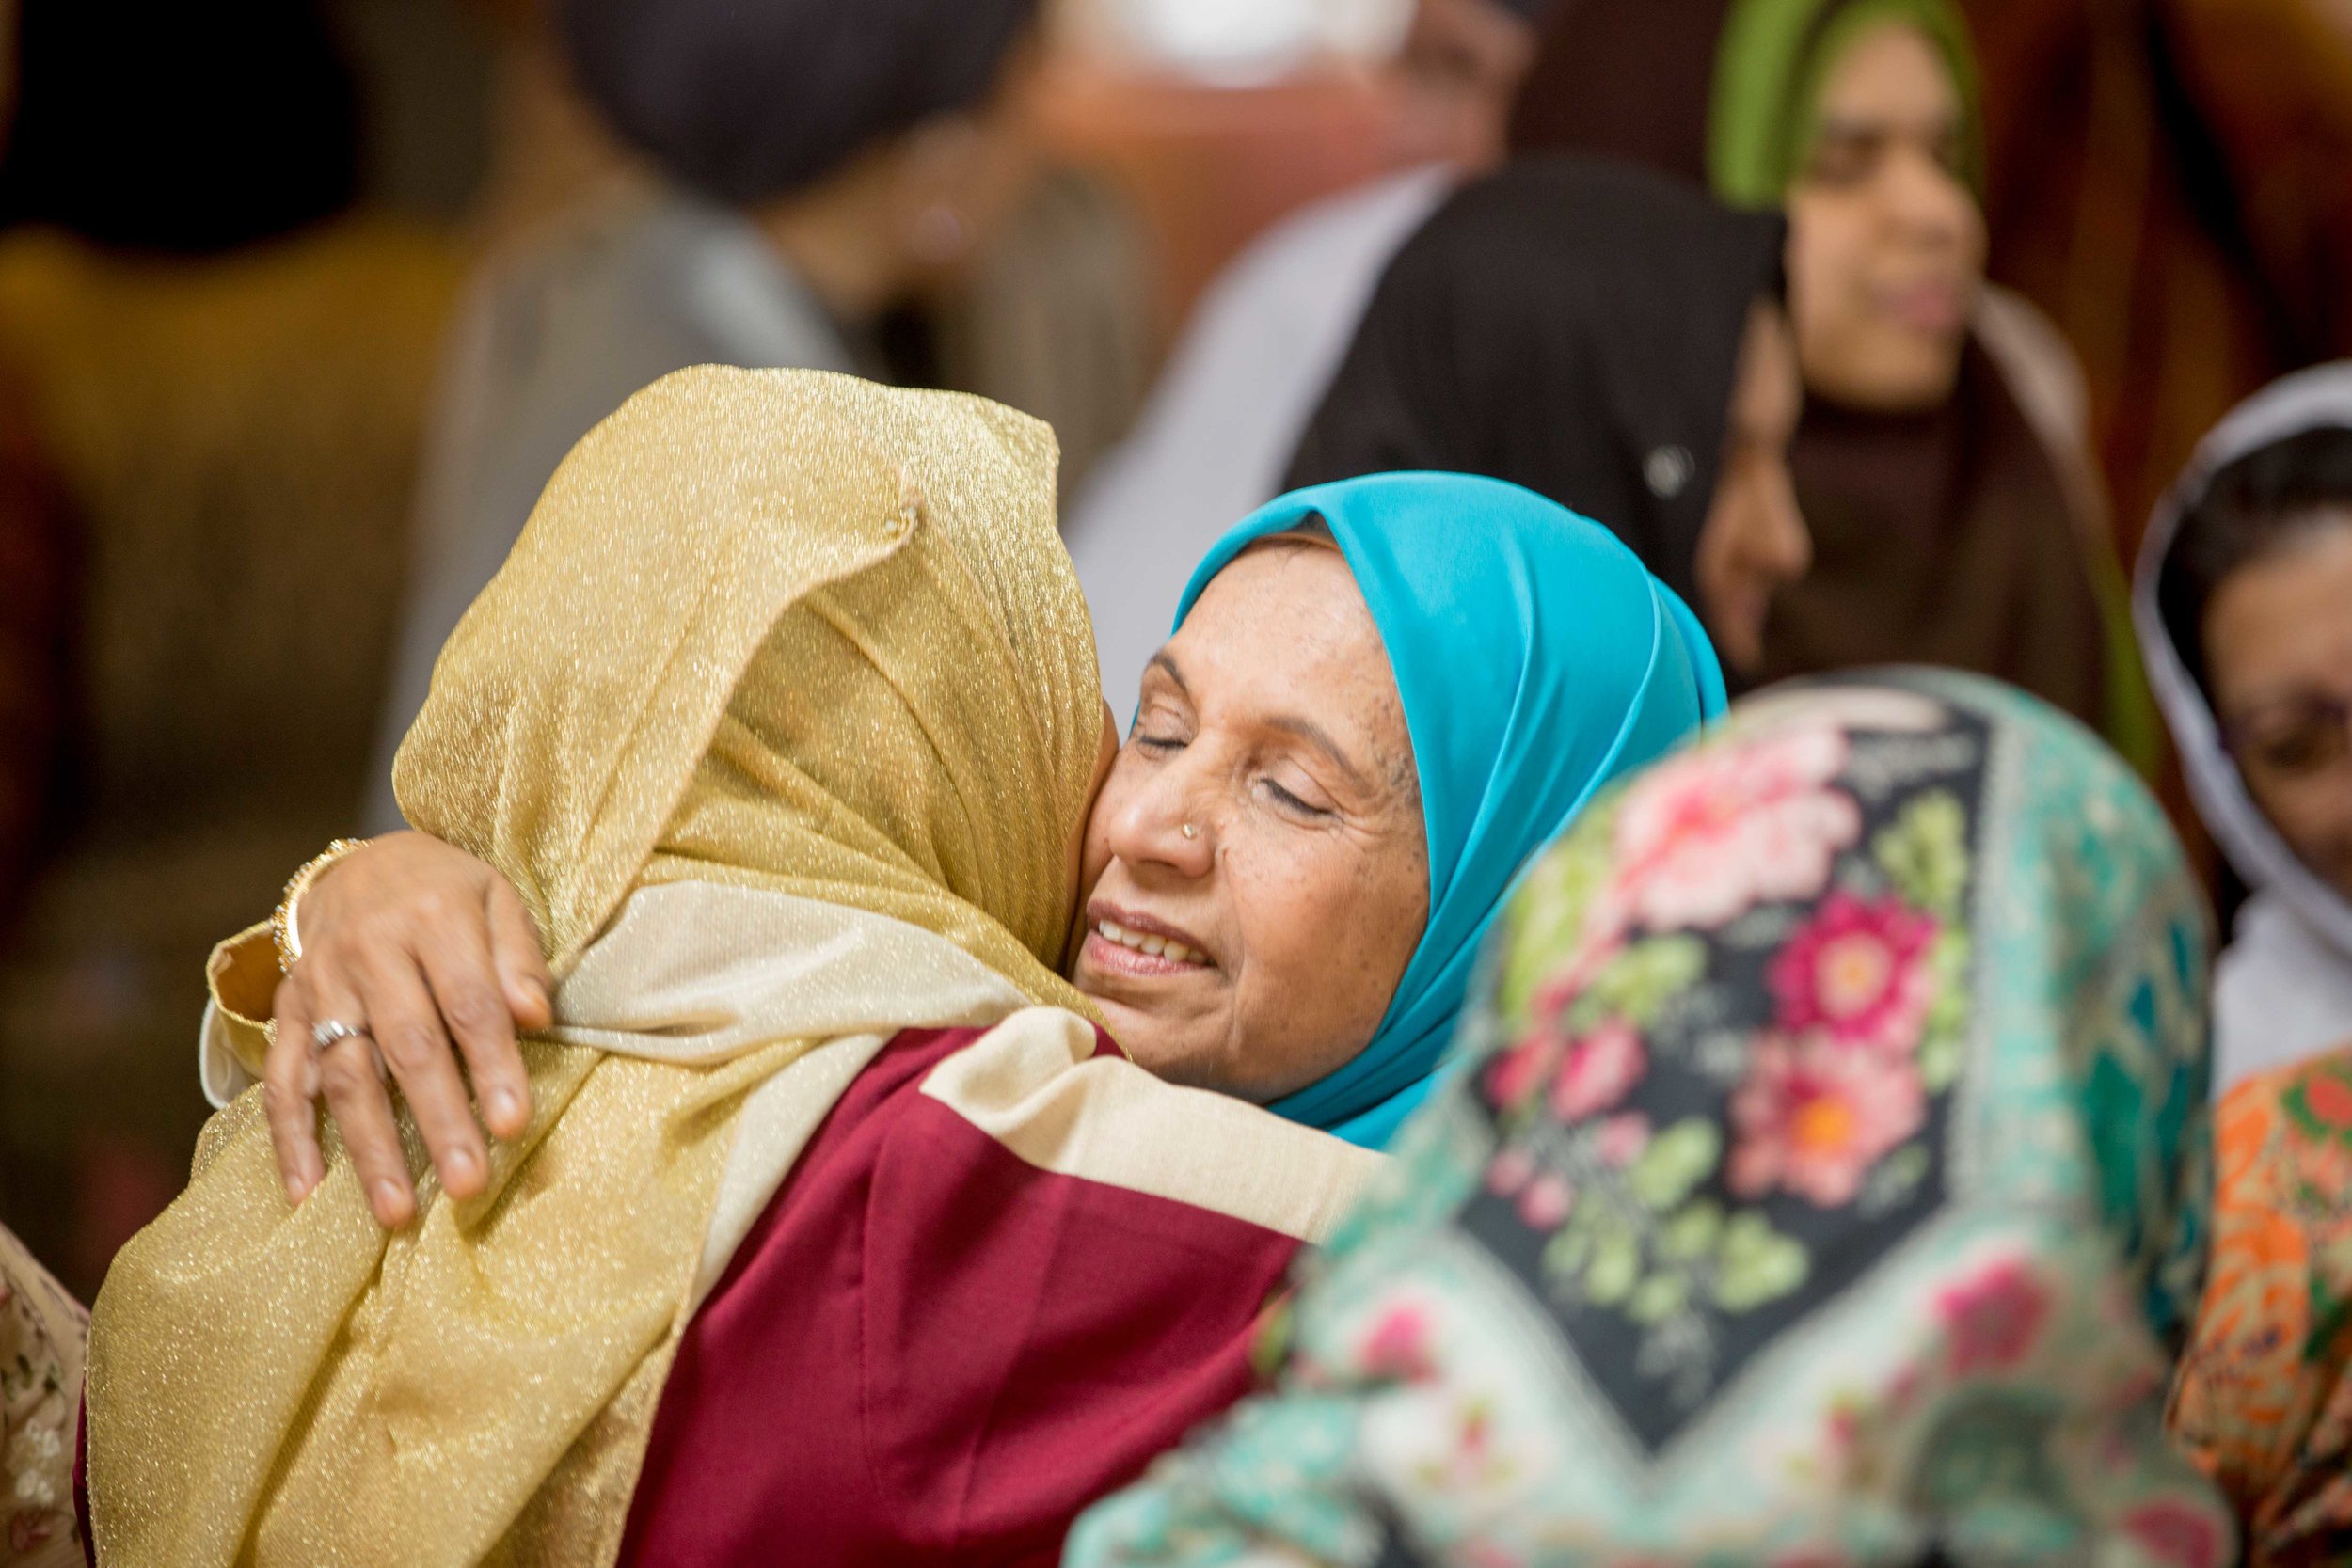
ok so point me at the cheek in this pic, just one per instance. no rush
(2314, 816)
(1825, 239)
(1974, 241)
(1328, 934)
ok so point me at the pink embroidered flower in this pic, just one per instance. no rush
(1844, 1424)
(1546, 1201)
(1858, 971)
(1993, 1318)
(1599, 1070)
(1513, 1077)
(1509, 1170)
(1721, 829)
(1905, 1388)
(1398, 1345)
(2176, 1532)
(1622, 1138)
(1814, 1119)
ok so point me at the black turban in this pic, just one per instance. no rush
(747, 99)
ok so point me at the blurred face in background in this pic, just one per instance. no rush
(1886, 244)
(2277, 643)
(1754, 542)
(906, 218)
(1462, 63)
(960, 179)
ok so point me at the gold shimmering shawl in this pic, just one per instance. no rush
(782, 716)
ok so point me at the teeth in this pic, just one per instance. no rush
(1151, 946)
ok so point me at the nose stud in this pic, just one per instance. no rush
(1191, 832)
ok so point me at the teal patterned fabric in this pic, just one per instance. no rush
(1821, 1179)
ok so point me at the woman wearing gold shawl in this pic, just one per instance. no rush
(851, 717)
(821, 1237)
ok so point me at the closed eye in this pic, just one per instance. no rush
(1292, 802)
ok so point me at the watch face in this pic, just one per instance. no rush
(1246, 42)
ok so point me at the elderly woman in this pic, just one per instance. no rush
(808, 826)
(1820, 1183)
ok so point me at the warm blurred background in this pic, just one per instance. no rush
(293, 292)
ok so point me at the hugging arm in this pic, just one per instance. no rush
(432, 953)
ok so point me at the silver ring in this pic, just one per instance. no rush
(333, 1033)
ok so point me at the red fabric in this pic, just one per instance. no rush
(927, 1350)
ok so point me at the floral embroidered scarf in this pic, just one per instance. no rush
(1820, 1178)
(2262, 1402)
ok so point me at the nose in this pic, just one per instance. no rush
(1924, 200)
(1162, 823)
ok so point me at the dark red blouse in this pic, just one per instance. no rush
(929, 1351)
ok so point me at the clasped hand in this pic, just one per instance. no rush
(432, 955)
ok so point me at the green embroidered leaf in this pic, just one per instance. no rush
(1657, 1298)
(1570, 1248)
(1756, 1264)
(1900, 1173)
(1924, 853)
(1617, 1263)
(1676, 1161)
(1941, 1052)
(1692, 1233)
(1637, 983)
(1939, 1063)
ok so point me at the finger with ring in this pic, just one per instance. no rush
(328, 1033)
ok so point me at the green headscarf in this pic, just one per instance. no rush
(1769, 69)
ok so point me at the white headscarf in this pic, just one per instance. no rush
(2296, 933)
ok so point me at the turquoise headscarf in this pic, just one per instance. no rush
(1536, 658)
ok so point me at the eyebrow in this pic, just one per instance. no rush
(1165, 662)
(1304, 728)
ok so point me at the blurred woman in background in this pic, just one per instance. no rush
(42, 1335)
(1607, 337)
(217, 353)
(2264, 1401)
(2245, 607)
(807, 166)
(1211, 440)
(1942, 465)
